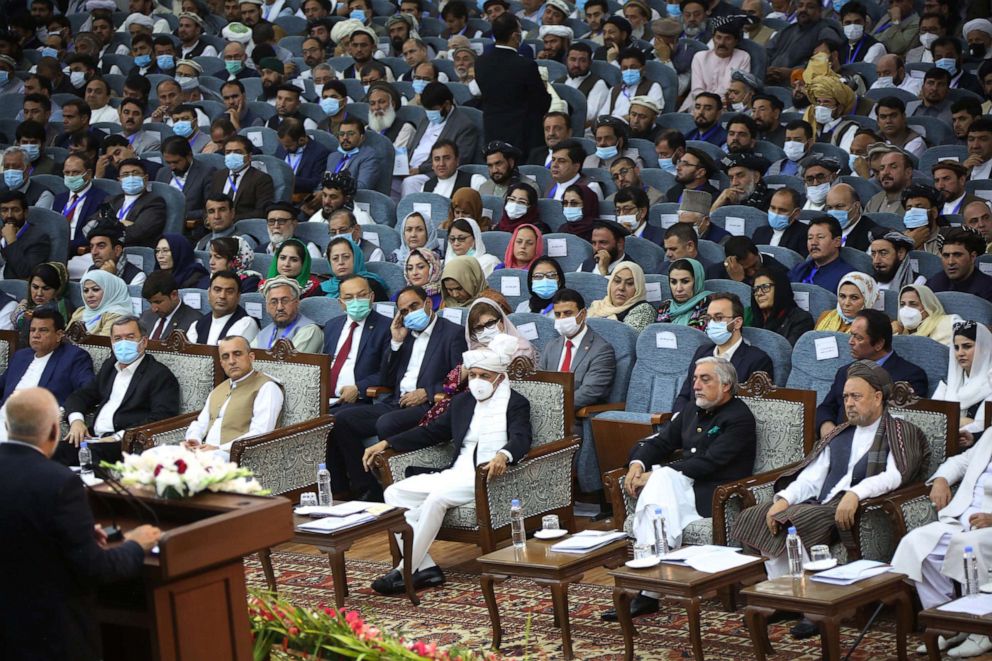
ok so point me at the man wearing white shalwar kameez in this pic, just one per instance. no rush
(932, 556)
(490, 424)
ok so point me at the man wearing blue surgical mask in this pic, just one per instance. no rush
(844, 204)
(947, 56)
(140, 211)
(610, 135)
(633, 84)
(236, 63)
(17, 173)
(922, 219)
(784, 228)
(251, 189)
(30, 136)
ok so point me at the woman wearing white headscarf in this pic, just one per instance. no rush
(105, 298)
(922, 315)
(856, 291)
(490, 426)
(415, 232)
(969, 381)
(465, 239)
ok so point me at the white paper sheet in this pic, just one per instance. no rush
(372, 238)
(652, 291)
(666, 340)
(255, 137)
(851, 573)
(509, 285)
(401, 164)
(385, 309)
(826, 348)
(528, 330)
(254, 309)
(734, 225)
(557, 248)
(669, 219)
(192, 299)
(802, 299)
(454, 316)
(711, 563)
(423, 208)
(331, 524)
(975, 604)
(137, 260)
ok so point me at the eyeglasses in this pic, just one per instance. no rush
(478, 329)
(816, 179)
(459, 239)
(537, 277)
(163, 251)
(621, 173)
(763, 289)
(271, 222)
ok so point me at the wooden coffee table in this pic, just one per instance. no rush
(826, 605)
(682, 584)
(335, 545)
(942, 623)
(537, 562)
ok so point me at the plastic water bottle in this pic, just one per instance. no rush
(517, 531)
(970, 571)
(793, 546)
(85, 460)
(323, 486)
(660, 538)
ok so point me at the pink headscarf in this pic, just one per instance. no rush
(510, 262)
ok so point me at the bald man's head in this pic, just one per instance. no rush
(33, 417)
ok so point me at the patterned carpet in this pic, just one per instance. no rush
(457, 614)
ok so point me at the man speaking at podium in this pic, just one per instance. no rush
(54, 552)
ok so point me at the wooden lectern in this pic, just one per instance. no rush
(190, 602)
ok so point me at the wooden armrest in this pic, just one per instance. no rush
(374, 391)
(380, 464)
(141, 437)
(238, 447)
(611, 485)
(743, 487)
(660, 418)
(190, 224)
(593, 409)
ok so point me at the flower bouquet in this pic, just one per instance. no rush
(172, 471)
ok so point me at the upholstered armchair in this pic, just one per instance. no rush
(8, 345)
(542, 480)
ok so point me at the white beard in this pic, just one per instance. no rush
(383, 122)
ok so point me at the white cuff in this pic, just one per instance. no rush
(74, 417)
(509, 457)
(394, 345)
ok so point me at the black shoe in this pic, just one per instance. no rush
(431, 577)
(804, 629)
(639, 605)
(783, 616)
(390, 584)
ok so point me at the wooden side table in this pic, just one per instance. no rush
(537, 562)
(943, 623)
(683, 585)
(826, 605)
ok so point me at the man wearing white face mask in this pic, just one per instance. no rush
(798, 143)
(860, 47)
(819, 173)
(892, 73)
(932, 27)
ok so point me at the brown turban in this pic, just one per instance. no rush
(876, 376)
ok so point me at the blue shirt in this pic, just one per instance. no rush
(827, 276)
(715, 135)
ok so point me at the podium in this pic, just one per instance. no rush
(190, 602)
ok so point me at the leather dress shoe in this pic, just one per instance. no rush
(389, 584)
(975, 644)
(431, 577)
(639, 605)
(944, 643)
(804, 629)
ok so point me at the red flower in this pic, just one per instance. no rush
(180, 466)
(158, 469)
(294, 631)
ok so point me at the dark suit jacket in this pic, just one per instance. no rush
(374, 343)
(195, 188)
(746, 360)
(311, 169)
(717, 446)
(538, 155)
(444, 351)
(453, 424)
(459, 129)
(859, 238)
(25, 253)
(184, 317)
(899, 369)
(148, 215)
(255, 192)
(89, 206)
(69, 369)
(48, 603)
(514, 98)
(365, 166)
(794, 237)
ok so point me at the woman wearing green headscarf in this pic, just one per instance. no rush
(292, 260)
(687, 306)
(105, 298)
(346, 259)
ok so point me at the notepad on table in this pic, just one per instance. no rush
(329, 524)
(587, 540)
(851, 573)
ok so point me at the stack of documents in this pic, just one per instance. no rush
(340, 516)
(708, 558)
(587, 540)
(973, 604)
(851, 573)
(329, 524)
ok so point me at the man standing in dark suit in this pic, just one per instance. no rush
(726, 314)
(56, 552)
(190, 177)
(131, 389)
(514, 98)
(166, 312)
(423, 349)
(306, 157)
(80, 202)
(784, 228)
(141, 212)
(251, 189)
(871, 339)
(59, 367)
(23, 245)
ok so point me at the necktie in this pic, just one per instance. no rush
(159, 327)
(566, 365)
(342, 356)
(72, 206)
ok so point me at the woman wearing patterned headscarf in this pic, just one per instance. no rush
(46, 290)
(292, 260)
(232, 253)
(105, 298)
(423, 269)
(856, 291)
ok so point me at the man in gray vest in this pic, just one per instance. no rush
(282, 301)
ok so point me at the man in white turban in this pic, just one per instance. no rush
(489, 424)
(557, 39)
(978, 34)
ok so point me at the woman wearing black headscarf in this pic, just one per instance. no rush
(774, 308)
(544, 278)
(520, 208)
(581, 208)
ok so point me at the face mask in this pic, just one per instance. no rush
(883, 82)
(49, 52)
(480, 389)
(718, 332)
(927, 39)
(234, 161)
(853, 32)
(143, 61)
(914, 218)
(631, 77)
(487, 335)
(841, 215)
(572, 214)
(977, 50)
(544, 288)
(434, 117)
(823, 114)
(738, 107)
(567, 326)
(778, 221)
(32, 151)
(673, 10)
(628, 220)
(416, 320)
(419, 86)
(4, 77)
(844, 317)
(133, 185)
(606, 153)
(358, 308)
(13, 178)
(350, 152)
(126, 351)
(183, 128)
(74, 182)
(910, 318)
(330, 105)
(77, 78)
(470, 252)
(838, 5)
(948, 64)
(794, 150)
(817, 194)
(186, 83)
(165, 62)
(667, 164)
(515, 210)
(851, 160)
(358, 15)
(318, 88)
(233, 67)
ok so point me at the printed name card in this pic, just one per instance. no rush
(401, 163)
(652, 291)
(136, 305)
(254, 309)
(557, 248)
(364, 207)
(985, 194)
(423, 208)
(734, 225)
(879, 302)
(509, 286)
(137, 260)
(192, 299)
(528, 330)
(666, 340)
(985, 267)
(372, 238)
(385, 309)
(914, 264)
(802, 299)
(669, 219)
(826, 348)
(454, 316)
(255, 137)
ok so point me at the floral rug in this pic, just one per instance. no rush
(457, 613)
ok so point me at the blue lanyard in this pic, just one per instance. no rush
(287, 331)
(551, 193)
(342, 163)
(180, 185)
(124, 210)
(808, 280)
(234, 189)
(705, 136)
(852, 57)
(295, 166)
(69, 209)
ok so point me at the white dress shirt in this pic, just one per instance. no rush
(105, 114)
(729, 353)
(559, 189)
(236, 177)
(622, 105)
(776, 237)
(599, 95)
(74, 217)
(104, 423)
(165, 324)
(264, 416)
(576, 341)
(446, 187)
(32, 375)
(422, 151)
(954, 206)
(346, 377)
(983, 171)
(246, 327)
(409, 381)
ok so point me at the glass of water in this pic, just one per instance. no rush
(550, 522)
(819, 553)
(308, 499)
(642, 551)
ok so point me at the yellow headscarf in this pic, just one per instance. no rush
(607, 308)
(822, 82)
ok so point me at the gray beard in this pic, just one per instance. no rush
(382, 123)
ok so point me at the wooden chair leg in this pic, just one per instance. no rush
(265, 557)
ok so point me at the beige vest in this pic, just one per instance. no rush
(240, 403)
